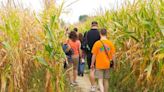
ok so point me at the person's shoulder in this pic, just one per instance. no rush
(89, 33)
(97, 31)
(78, 41)
(66, 41)
(69, 41)
(110, 42)
(86, 32)
(97, 42)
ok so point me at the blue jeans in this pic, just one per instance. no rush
(81, 67)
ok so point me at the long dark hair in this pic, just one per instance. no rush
(73, 36)
(80, 36)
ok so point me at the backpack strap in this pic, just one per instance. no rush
(106, 52)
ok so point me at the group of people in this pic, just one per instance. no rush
(96, 49)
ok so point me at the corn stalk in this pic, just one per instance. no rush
(137, 31)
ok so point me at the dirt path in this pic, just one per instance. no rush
(83, 84)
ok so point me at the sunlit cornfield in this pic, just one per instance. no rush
(30, 49)
(31, 56)
(137, 29)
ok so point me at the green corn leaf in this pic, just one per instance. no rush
(41, 60)
(134, 38)
(53, 18)
(48, 48)
(6, 45)
(118, 24)
(149, 69)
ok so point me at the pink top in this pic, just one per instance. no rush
(75, 46)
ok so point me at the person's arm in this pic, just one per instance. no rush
(114, 62)
(93, 61)
(68, 44)
(114, 58)
(113, 55)
(80, 53)
(66, 60)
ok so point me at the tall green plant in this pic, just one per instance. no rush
(136, 30)
(52, 55)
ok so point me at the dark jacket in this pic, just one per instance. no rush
(92, 36)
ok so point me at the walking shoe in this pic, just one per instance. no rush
(71, 84)
(74, 83)
(93, 89)
(82, 74)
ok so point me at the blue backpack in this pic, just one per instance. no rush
(67, 51)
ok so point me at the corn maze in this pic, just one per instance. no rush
(31, 56)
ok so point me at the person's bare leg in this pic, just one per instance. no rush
(74, 75)
(75, 64)
(91, 77)
(69, 73)
(100, 82)
(106, 85)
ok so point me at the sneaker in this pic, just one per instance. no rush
(74, 83)
(93, 89)
(71, 85)
(98, 89)
(82, 74)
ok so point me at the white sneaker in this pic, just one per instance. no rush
(93, 89)
(74, 84)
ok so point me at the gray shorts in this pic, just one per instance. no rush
(102, 73)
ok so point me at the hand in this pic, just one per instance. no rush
(80, 57)
(92, 66)
(66, 60)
